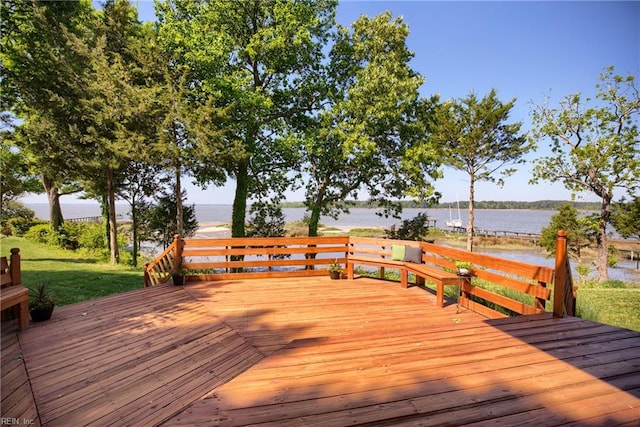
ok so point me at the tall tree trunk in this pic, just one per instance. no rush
(104, 208)
(179, 219)
(113, 226)
(602, 245)
(472, 193)
(314, 220)
(53, 196)
(134, 232)
(239, 210)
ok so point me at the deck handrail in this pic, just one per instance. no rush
(160, 269)
(263, 257)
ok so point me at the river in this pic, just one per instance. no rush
(520, 220)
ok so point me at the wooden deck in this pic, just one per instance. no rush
(310, 351)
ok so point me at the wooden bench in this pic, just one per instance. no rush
(14, 296)
(380, 257)
(441, 278)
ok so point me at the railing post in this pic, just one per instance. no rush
(14, 267)
(561, 274)
(177, 252)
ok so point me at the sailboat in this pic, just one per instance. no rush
(454, 223)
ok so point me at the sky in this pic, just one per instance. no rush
(525, 50)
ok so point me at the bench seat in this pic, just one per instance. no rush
(18, 296)
(441, 277)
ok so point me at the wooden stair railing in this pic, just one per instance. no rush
(159, 270)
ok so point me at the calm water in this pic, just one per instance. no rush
(525, 221)
(528, 221)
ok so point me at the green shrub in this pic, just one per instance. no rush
(416, 228)
(18, 226)
(43, 233)
(93, 236)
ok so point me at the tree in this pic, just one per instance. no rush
(416, 228)
(367, 121)
(625, 217)
(39, 74)
(580, 231)
(474, 137)
(160, 219)
(120, 111)
(16, 178)
(248, 63)
(595, 148)
(139, 182)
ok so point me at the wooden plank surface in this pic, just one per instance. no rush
(313, 351)
(131, 359)
(17, 401)
(356, 352)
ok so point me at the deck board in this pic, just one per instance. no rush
(136, 358)
(17, 398)
(311, 351)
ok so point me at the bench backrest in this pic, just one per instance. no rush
(497, 275)
(10, 271)
(374, 247)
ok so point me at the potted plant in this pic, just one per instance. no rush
(178, 276)
(41, 303)
(464, 268)
(335, 270)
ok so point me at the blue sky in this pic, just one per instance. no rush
(526, 50)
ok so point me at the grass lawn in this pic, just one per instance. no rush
(612, 306)
(72, 277)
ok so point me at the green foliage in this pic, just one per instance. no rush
(580, 231)
(335, 267)
(72, 236)
(41, 297)
(267, 221)
(159, 220)
(44, 234)
(416, 228)
(15, 218)
(16, 177)
(626, 218)
(245, 85)
(91, 236)
(473, 136)
(370, 115)
(595, 147)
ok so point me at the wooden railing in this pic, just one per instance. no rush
(241, 258)
(160, 269)
(261, 257)
(494, 279)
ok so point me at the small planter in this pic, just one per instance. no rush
(41, 303)
(335, 275)
(464, 272)
(178, 279)
(41, 314)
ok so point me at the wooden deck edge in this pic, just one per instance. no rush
(18, 400)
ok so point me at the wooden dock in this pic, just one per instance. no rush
(311, 351)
